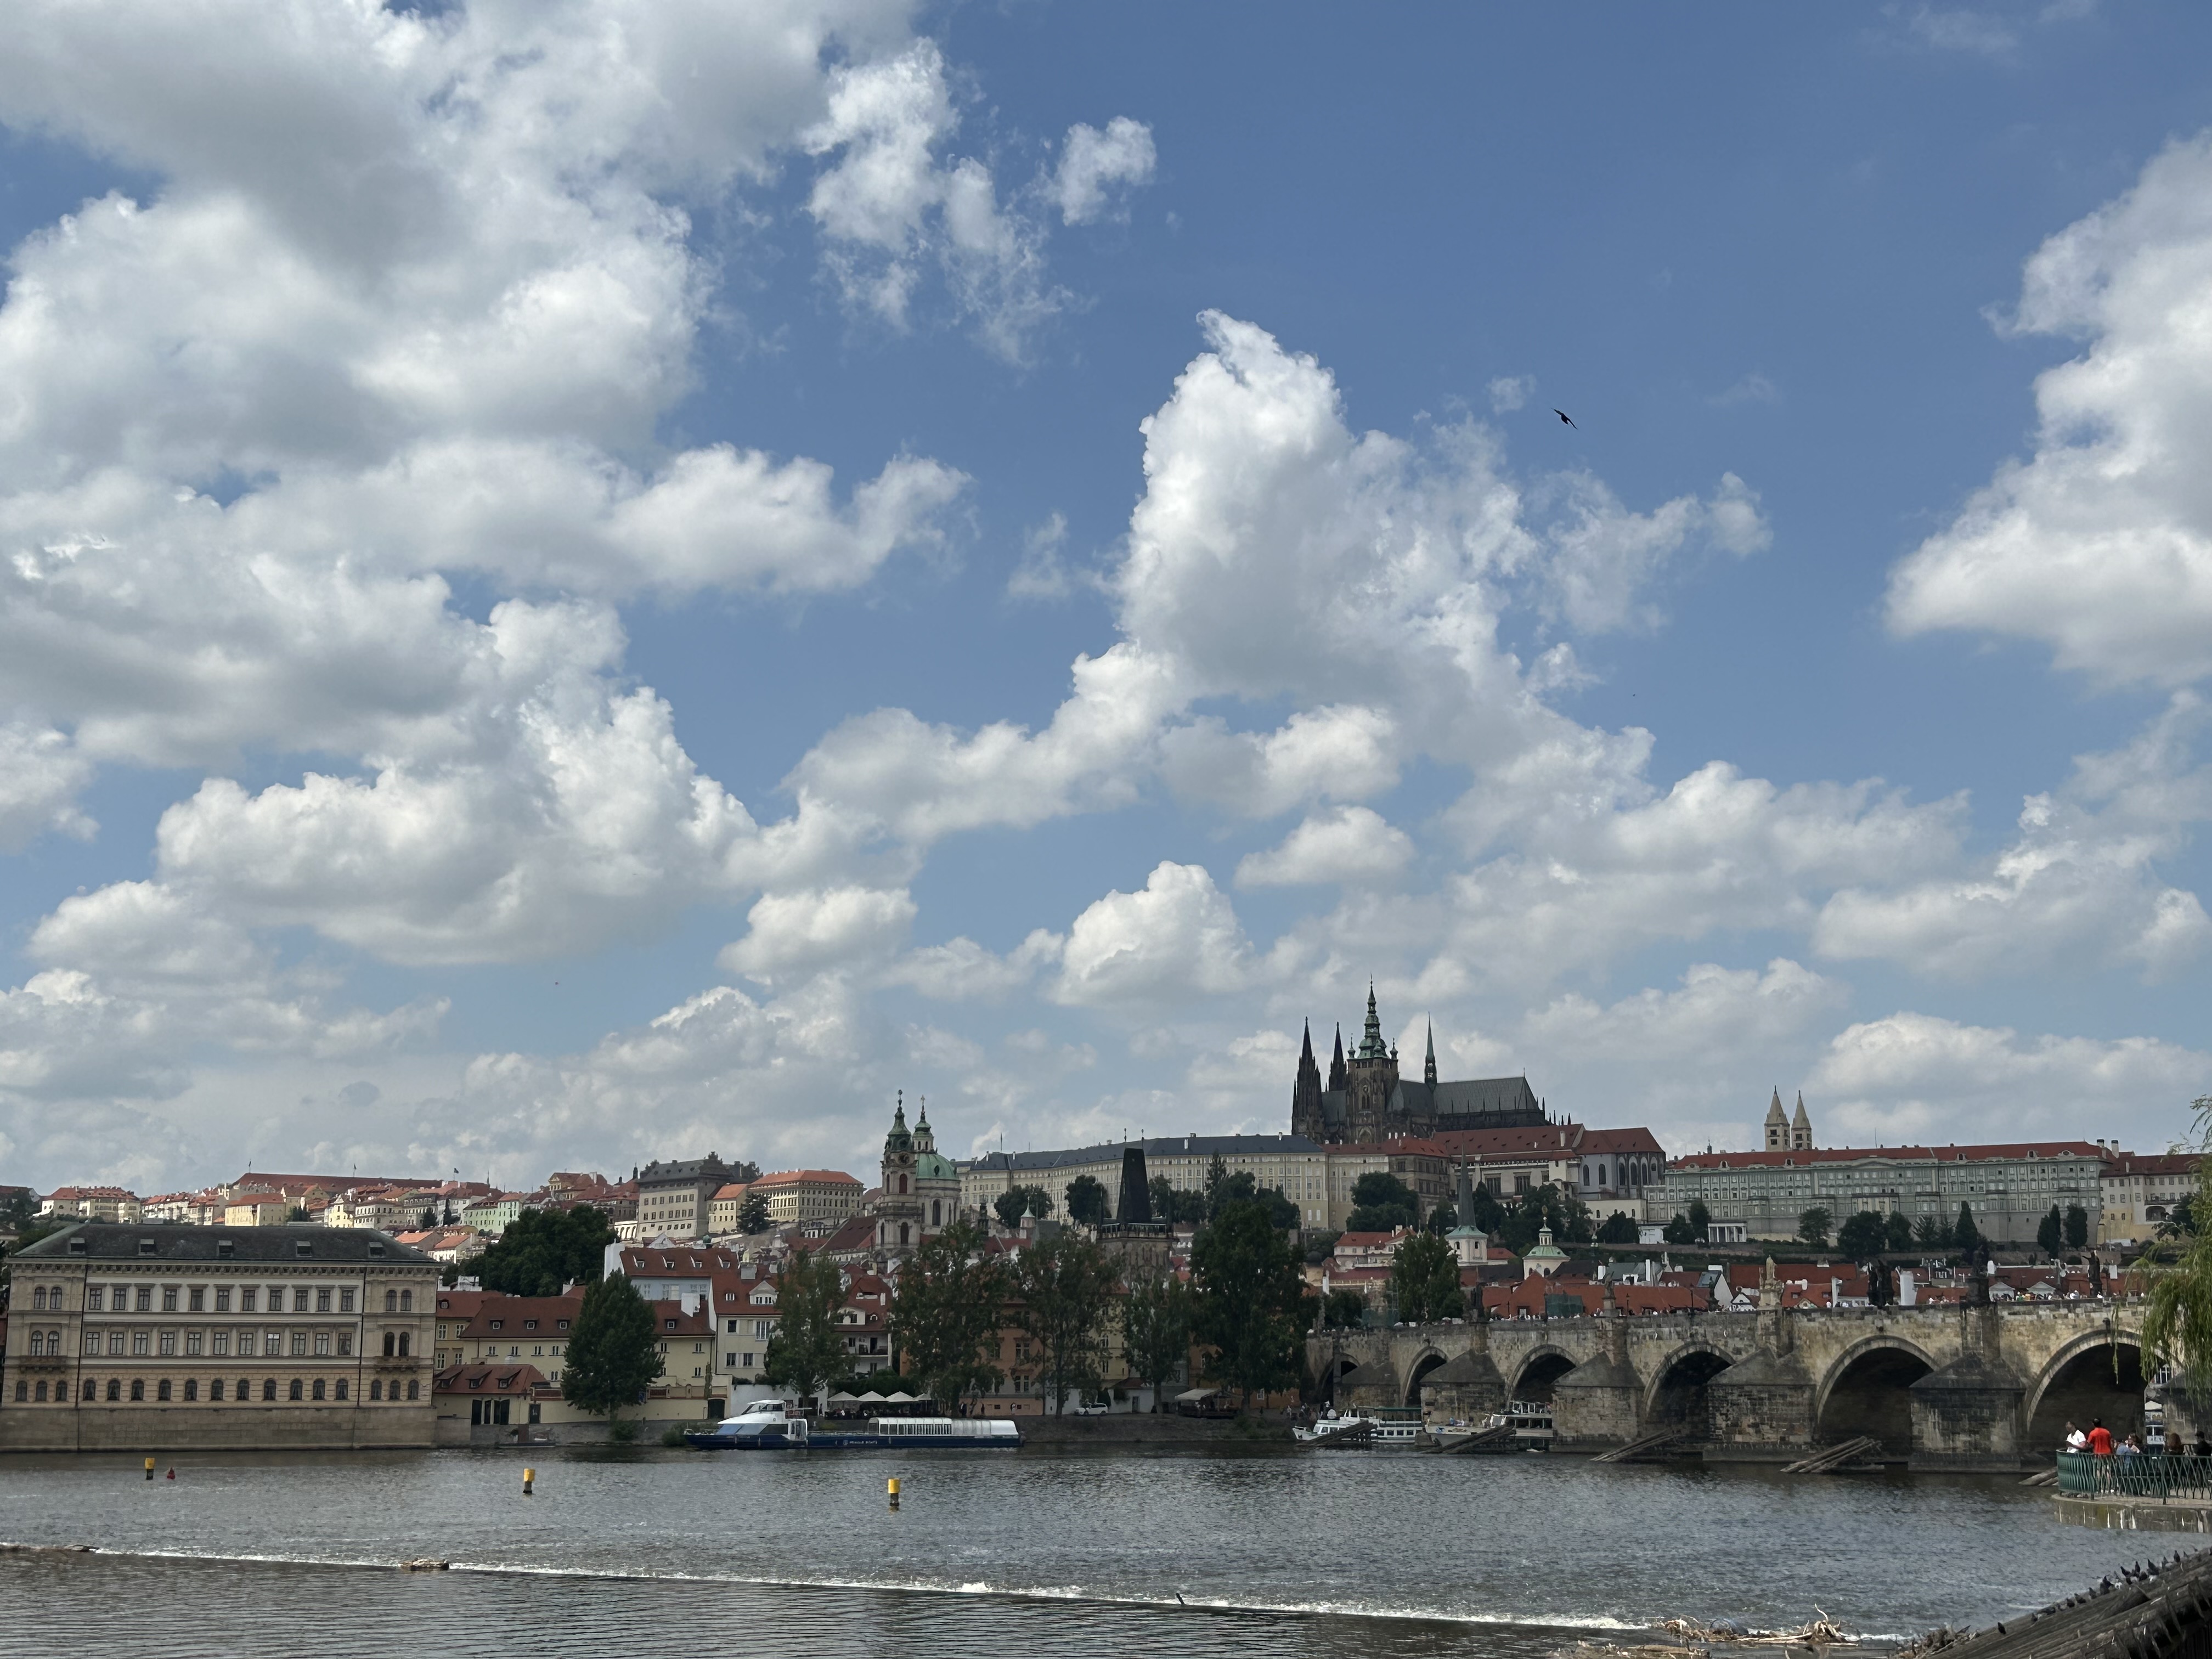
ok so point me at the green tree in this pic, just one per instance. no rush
(2077, 1227)
(1898, 1230)
(1040, 1202)
(543, 1251)
(1171, 1204)
(1086, 1200)
(1281, 1212)
(613, 1353)
(807, 1354)
(429, 1219)
(18, 1212)
(1701, 1221)
(1864, 1236)
(946, 1312)
(1344, 1309)
(1217, 1176)
(1382, 1203)
(1812, 1225)
(1065, 1288)
(1424, 1280)
(752, 1214)
(1964, 1235)
(1930, 1232)
(1248, 1300)
(1156, 1317)
(1443, 1219)
(2178, 1323)
(1619, 1228)
(1679, 1232)
(298, 1213)
(2050, 1233)
(1241, 1187)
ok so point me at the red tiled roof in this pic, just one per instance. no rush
(2155, 1163)
(789, 1177)
(1621, 1140)
(1554, 1139)
(1847, 1154)
(510, 1378)
(669, 1319)
(512, 1313)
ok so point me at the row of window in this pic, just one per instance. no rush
(144, 1342)
(215, 1298)
(300, 1388)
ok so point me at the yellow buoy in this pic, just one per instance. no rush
(891, 1486)
(529, 1476)
(149, 1469)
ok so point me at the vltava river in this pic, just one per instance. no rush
(1042, 1551)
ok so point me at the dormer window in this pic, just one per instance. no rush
(375, 1248)
(76, 1247)
(146, 1247)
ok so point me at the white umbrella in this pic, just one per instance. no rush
(901, 1398)
(872, 1395)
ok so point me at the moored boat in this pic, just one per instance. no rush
(1393, 1427)
(769, 1426)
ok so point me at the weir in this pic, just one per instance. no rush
(1964, 1387)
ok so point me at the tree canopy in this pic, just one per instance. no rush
(1383, 1203)
(543, 1251)
(1171, 1204)
(1812, 1225)
(946, 1315)
(1424, 1280)
(1065, 1286)
(2178, 1324)
(1016, 1202)
(1087, 1200)
(1864, 1236)
(1155, 1318)
(613, 1355)
(752, 1214)
(1619, 1228)
(1250, 1296)
(1964, 1235)
(2051, 1232)
(2077, 1227)
(807, 1352)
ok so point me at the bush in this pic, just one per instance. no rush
(672, 1436)
(622, 1431)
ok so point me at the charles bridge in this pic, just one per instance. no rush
(1954, 1387)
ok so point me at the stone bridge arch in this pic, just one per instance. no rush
(1676, 1394)
(1540, 1372)
(2098, 1374)
(1867, 1390)
(1428, 1359)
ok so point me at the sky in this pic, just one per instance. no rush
(586, 581)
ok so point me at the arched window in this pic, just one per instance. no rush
(389, 1340)
(937, 1213)
(114, 1387)
(299, 1389)
(161, 1391)
(137, 1388)
(905, 1237)
(391, 1302)
(40, 1398)
(39, 1298)
(91, 1390)
(319, 1388)
(269, 1387)
(414, 1390)
(407, 1302)
(901, 1183)
(340, 1390)
(38, 1343)
(214, 1391)
(403, 1344)
(191, 1388)
(375, 1388)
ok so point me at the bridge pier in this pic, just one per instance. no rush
(1966, 1415)
(1600, 1402)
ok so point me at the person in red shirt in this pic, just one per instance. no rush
(2100, 1438)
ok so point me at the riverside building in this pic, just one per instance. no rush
(189, 1338)
(2010, 1187)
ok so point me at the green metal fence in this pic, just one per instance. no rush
(2081, 1474)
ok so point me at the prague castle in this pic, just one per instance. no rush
(1365, 1100)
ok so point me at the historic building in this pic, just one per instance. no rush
(922, 1189)
(1366, 1101)
(1788, 1135)
(123, 1336)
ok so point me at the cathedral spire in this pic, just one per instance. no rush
(1372, 1046)
(1305, 1055)
(1429, 1066)
(1336, 1062)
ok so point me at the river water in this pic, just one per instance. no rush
(1042, 1551)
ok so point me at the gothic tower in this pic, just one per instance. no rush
(1777, 1126)
(1429, 1066)
(1336, 1064)
(1370, 1076)
(1800, 1128)
(1305, 1093)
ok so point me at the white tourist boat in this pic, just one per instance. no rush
(1383, 1427)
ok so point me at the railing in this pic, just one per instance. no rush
(2084, 1474)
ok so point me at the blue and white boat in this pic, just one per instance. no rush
(767, 1425)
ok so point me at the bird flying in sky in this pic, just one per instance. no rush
(1564, 415)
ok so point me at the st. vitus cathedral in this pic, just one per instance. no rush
(1366, 1101)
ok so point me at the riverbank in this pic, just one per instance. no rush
(1154, 1429)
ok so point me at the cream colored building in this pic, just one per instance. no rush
(2141, 1192)
(126, 1336)
(94, 1203)
(677, 1199)
(257, 1210)
(804, 1195)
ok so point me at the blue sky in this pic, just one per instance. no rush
(587, 582)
